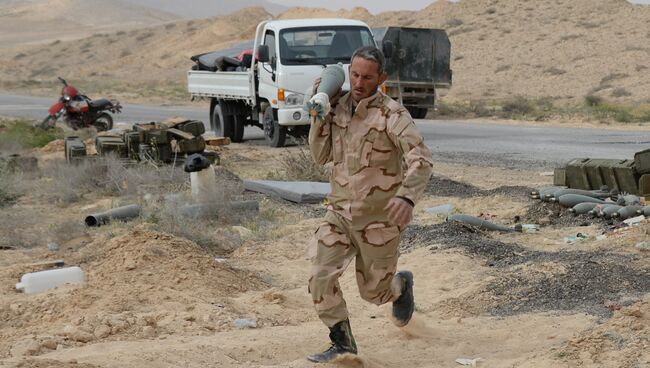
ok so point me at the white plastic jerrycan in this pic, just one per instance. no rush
(36, 282)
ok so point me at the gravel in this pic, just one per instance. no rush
(578, 281)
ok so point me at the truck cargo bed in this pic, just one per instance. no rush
(226, 85)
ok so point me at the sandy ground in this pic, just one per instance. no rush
(153, 299)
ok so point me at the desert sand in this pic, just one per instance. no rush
(564, 50)
(152, 298)
(158, 294)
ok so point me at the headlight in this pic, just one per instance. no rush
(66, 97)
(294, 99)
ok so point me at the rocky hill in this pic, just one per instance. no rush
(28, 22)
(565, 50)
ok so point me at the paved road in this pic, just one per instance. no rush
(451, 141)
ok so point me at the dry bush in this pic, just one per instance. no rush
(20, 228)
(110, 176)
(613, 76)
(593, 100)
(300, 166)
(554, 71)
(455, 22)
(621, 92)
(10, 187)
(208, 228)
(66, 230)
(502, 68)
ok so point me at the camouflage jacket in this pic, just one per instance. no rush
(377, 154)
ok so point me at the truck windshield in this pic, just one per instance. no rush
(322, 45)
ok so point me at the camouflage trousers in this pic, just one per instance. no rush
(375, 249)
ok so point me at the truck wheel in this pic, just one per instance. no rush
(274, 133)
(238, 128)
(222, 125)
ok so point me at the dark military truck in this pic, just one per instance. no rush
(417, 66)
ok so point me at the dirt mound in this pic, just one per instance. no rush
(619, 342)
(446, 187)
(143, 284)
(57, 145)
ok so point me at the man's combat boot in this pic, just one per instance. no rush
(342, 343)
(404, 305)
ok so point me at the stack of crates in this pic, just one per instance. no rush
(156, 137)
(642, 165)
(110, 145)
(592, 173)
(75, 149)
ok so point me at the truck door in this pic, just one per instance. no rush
(267, 73)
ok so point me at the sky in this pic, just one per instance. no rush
(375, 6)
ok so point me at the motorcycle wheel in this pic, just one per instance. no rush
(103, 122)
(47, 123)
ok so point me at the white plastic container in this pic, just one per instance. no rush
(36, 282)
(204, 185)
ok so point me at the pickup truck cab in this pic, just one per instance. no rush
(270, 90)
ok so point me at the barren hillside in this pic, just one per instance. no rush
(39, 21)
(560, 49)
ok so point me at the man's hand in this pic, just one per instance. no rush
(400, 212)
(334, 99)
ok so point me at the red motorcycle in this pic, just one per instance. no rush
(79, 111)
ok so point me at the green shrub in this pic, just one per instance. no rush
(21, 133)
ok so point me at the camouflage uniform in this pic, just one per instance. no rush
(368, 146)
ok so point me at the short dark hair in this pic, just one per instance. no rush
(373, 54)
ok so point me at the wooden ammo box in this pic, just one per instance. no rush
(190, 146)
(644, 185)
(194, 127)
(594, 174)
(152, 133)
(75, 149)
(111, 145)
(626, 176)
(132, 140)
(642, 162)
(576, 175)
(559, 176)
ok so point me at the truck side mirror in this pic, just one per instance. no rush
(387, 49)
(263, 53)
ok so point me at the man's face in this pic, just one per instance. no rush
(364, 79)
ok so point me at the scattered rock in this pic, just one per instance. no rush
(102, 331)
(49, 344)
(25, 347)
(82, 336)
(149, 331)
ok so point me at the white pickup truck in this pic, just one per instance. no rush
(270, 91)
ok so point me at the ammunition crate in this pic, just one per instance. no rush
(111, 145)
(644, 185)
(194, 127)
(152, 133)
(642, 162)
(626, 176)
(154, 137)
(576, 175)
(559, 176)
(607, 172)
(190, 146)
(132, 140)
(75, 149)
(594, 174)
(161, 152)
